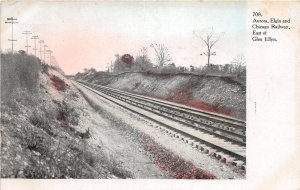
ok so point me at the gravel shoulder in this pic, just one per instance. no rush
(116, 139)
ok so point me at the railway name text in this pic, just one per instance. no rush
(262, 28)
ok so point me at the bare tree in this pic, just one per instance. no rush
(162, 54)
(143, 54)
(143, 61)
(239, 63)
(117, 65)
(210, 39)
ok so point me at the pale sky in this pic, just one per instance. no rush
(89, 34)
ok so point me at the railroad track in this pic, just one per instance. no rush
(218, 135)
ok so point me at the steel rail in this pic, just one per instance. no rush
(212, 116)
(211, 144)
(190, 121)
(186, 122)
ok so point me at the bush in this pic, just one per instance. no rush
(66, 114)
(127, 58)
(63, 111)
(36, 142)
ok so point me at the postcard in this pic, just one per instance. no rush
(150, 95)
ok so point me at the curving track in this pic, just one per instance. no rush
(220, 136)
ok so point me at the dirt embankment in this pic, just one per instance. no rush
(47, 133)
(222, 95)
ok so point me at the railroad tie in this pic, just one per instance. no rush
(196, 144)
(211, 151)
(238, 163)
(203, 147)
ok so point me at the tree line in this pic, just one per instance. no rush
(163, 62)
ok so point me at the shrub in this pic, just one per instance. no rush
(63, 113)
(36, 142)
(127, 58)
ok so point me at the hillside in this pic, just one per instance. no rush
(217, 94)
(46, 125)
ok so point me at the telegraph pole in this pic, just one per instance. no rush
(40, 42)
(26, 33)
(12, 21)
(34, 38)
(50, 52)
(45, 53)
(54, 62)
(208, 54)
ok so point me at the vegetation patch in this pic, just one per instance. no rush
(58, 83)
(172, 163)
(66, 114)
(183, 96)
(19, 71)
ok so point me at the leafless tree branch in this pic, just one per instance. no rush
(162, 54)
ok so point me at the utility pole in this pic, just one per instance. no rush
(54, 62)
(12, 21)
(34, 38)
(208, 54)
(50, 52)
(26, 33)
(209, 39)
(111, 66)
(45, 53)
(40, 42)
